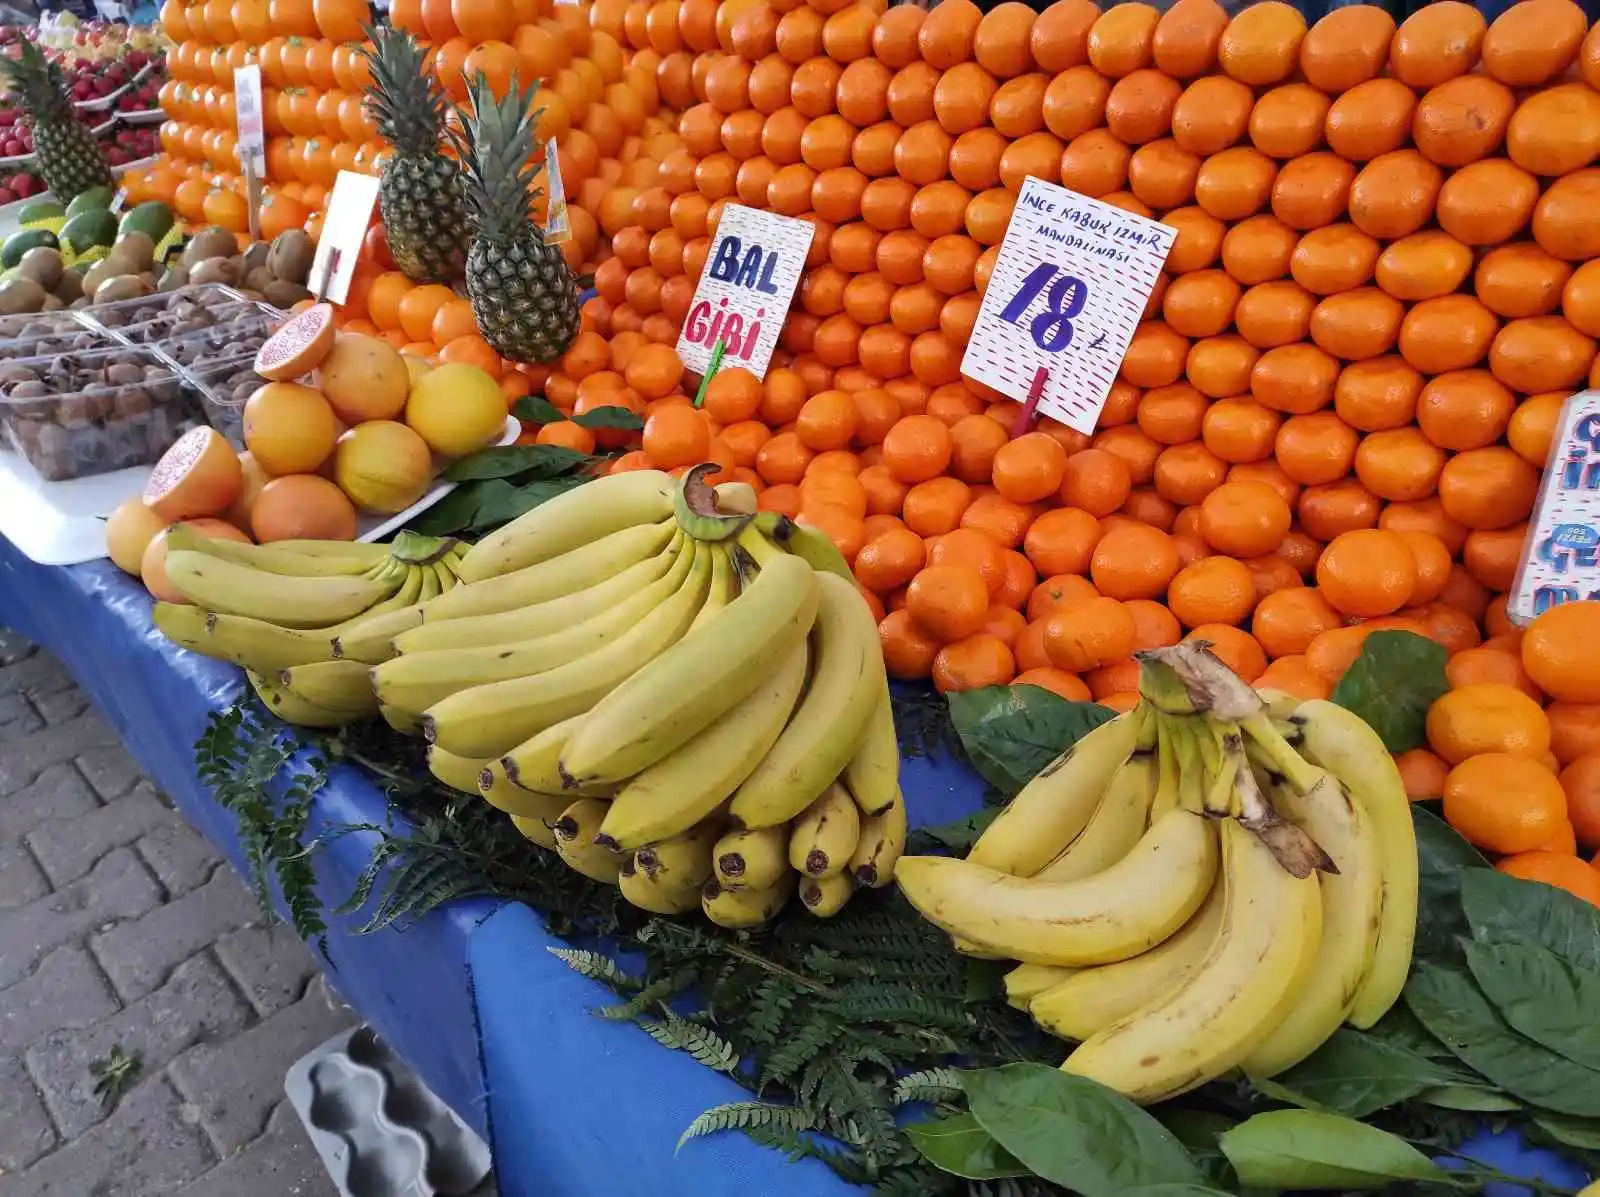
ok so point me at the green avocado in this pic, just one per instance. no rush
(84, 229)
(38, 211)
(21, 242)
(96, 199)
(152, 218)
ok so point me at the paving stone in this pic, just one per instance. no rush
(17, 717)
(110, 770)
(197, 1004)
(58, 706)
(13, 647)
(68, 847)
(236, 1083)
(65, 992)
(144, 1149)
(269, 964)
(281, 1163)
(118, 887)
(23, 761)
(59, 792)
(33, 673)
(25, 1130)
(138, 953)
(21, 880)
(180, 857)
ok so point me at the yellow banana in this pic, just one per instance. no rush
(824, 836)
(710, 671)
(752, 859)
(1125, 910)
(872, 775)
(232, 589)
(536, 831)
(403, 722)
(682, 863)
(291, 708)
(288, 557)
(1051, 810)
(644, 891)
(1026, 982)
(371, 640)
(492, 719)
(251, 643)
(825, 896)
(724, 587)
(533, 764)
(1248, 981)
(575, 830)
(1114, 828)
(882, 840)
(499, 793)
(460, 773)
(739, 909)
(827, 727)
(332, 685)
(686, 786)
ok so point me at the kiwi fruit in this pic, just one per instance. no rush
(20, 294)
(43, 265)
(207, 244)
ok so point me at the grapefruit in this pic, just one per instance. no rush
(302, 507)
(299, 344)
(199, 475)
(383, 466)
(129, 531)
(416, 366)
(238, 513)
(457, 409)
(288, 428)
(153, 565)
(364, 379)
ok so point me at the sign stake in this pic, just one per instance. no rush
(712, 367)
(1030, 408)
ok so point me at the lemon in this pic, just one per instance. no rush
(416, 366)
(383, 466)
(457, 409)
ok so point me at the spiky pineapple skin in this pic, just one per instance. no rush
(65, 151)
(524, 297)
(422, 202)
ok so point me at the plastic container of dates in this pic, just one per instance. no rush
(222, 388)
(166, 314)
(44, 334)
(77, 414)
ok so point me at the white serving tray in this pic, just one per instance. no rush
(63, 523)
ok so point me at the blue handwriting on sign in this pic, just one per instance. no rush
(1064, 297)
(745, 266)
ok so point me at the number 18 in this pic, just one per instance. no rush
(1051, 329)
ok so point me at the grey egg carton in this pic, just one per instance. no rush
(380, 1131)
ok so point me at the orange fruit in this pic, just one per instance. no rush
(678, 436)
(1367, 572)
(1574, 729)
(1581, 781)
(1487, 717)
(1212, 590)
(1291, 675)
(1285, 622)
(1261, 44)
(1134, 562)
(948, 602)
(1422, 774)
(980, 660)
(1560, 869)
(302, 507)
(1555, 647)
(1057, 681)
(1095, 632)
(1504, 803)
(289, 428)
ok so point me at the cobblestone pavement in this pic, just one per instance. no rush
(121, 927)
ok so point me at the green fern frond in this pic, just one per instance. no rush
(932, 1085)
(745, 1115)
(595, 966)
(796, 1145)
(656, 991)
(704, 1044)
(799, 1051)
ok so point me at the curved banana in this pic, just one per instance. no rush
(1027, 981)
(752, 858)
(1051, 810)
(340, 558)
(533, 764)
(1256, 967)
(574, 830)
(403, 722)
(810, 545)
(1091, 999)
(460, 773)
(232, 589)
(1338, 741)
(1115, 827)
(878, 849)
(681, 864)
(724, 587)
(431, 589)
(824, 835)
(492, 719)
(291, 708)
(707, 673)
(416, 681)
(846, 683)
(577, 517)
(371, 640)
(686, 786)
(250, 643)
(872, 775)
(536, 831)
(584, 566)
(540, 619)
(1352, 908)
(498, 792)
(643, 891)
(736, 498)
(1127, 909)
(739, 909)
(332, 685)
(826, 896)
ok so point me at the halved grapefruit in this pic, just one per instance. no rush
(299, 344)
(199, 475)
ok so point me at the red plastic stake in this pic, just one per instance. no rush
(1030, 409)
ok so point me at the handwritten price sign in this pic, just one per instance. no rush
(1562, 564)
(1066, 294)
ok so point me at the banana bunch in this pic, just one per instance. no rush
(678, 695)
(305, 619)
(1215, 880)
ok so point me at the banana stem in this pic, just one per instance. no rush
(1219, 794)
(1166, 798)
(1160, 685)
(1208, 738)
(761, 550)
(1191, 767)
(1279, 753)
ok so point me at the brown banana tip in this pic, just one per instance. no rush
(338, 649)
(211, 621)
(610, 844)
(283, 677)
(816, 862)
(731, 864)
(711, 890)
(429, 732)
(810, 893)
(510, 766)
(567, 780)
(867, 875)
(565, 828)
(485, 778)
(626, 868)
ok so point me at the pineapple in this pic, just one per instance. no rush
(69, 157)
(523, 293)
(420, 193)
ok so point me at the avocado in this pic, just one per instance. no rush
(40, 211)
(95, 227)
(152, 218)
(21, 242)
(96, 199)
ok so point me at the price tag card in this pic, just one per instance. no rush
(251, 118)
(746, 288)
(349, 214)
(557, 222)
(1066, 294)
(1561, 556)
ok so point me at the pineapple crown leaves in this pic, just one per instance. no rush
(406, 101)
(40, 82)
(496, 147)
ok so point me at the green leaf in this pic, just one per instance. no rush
(610, 417)
(1200, 1131)
(1473, 1099)
(961, 1147)
(1549, 1000)
(1301, 1149)
(507, 502)
(453, 513)
(1175, 1191)
(510, 461)
(1510, 910)
(1355, 1074)
(1392, 684)
(536, 409)
(1582, 1133)
(1012, 732)
(1074, 1131)
(1453, 1010)
(1443, 859)
(958, 836)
